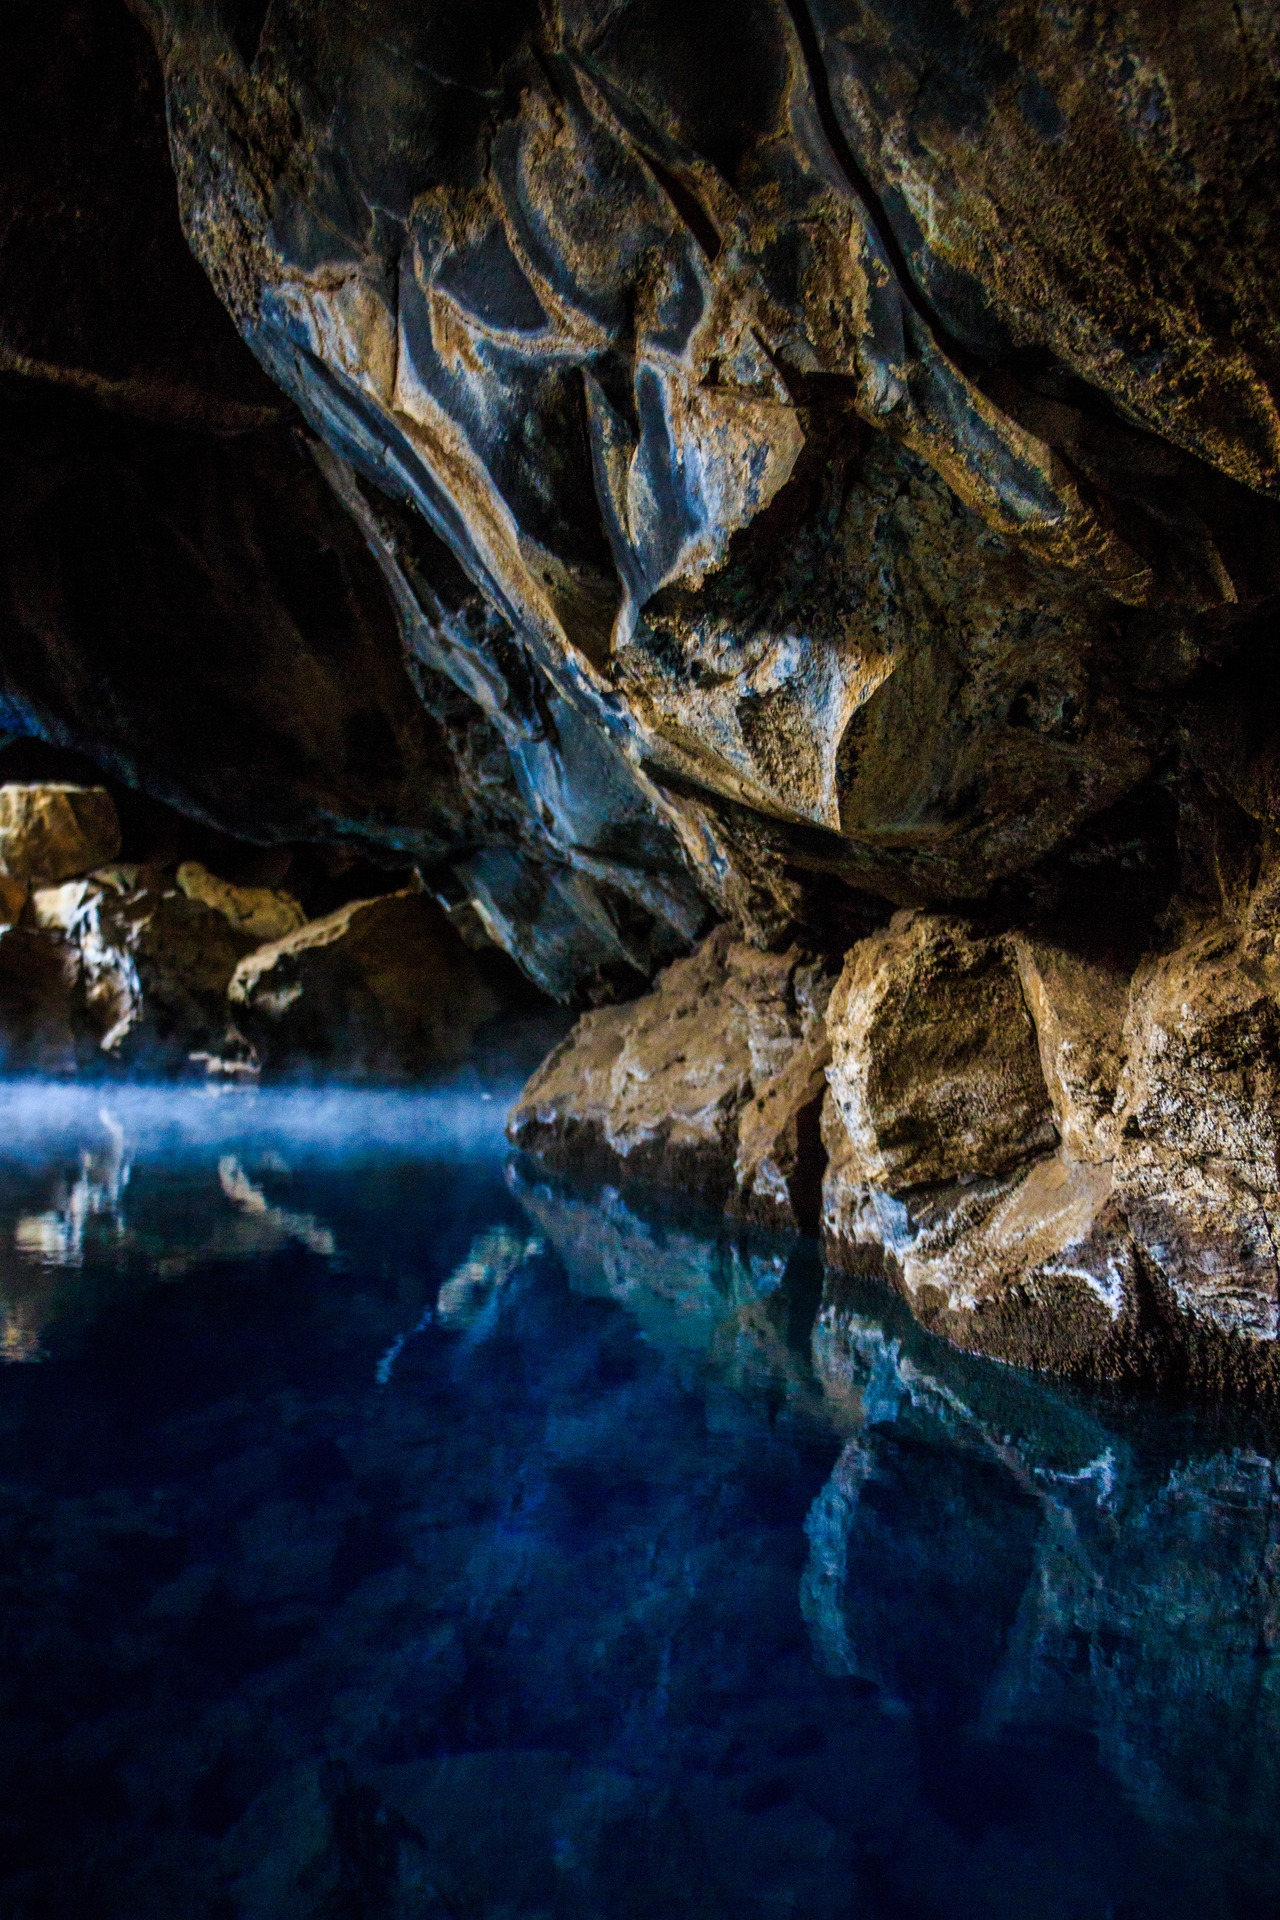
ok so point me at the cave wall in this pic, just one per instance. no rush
(656, 469)
(859, 414)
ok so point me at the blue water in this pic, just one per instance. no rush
(386, 1532)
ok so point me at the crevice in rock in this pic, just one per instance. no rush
(865, 193)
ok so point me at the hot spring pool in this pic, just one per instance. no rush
(388, 1533)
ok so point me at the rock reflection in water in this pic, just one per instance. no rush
(387, 1535)
(1000, 1560)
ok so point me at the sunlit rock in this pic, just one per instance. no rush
(383, 986)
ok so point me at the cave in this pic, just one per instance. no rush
(640, 799)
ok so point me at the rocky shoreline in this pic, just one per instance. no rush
(1054, 1163)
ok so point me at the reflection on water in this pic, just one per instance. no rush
(387, 1532)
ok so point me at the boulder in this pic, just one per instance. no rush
(55, 832)
(382, 987)
(1198, 1110)
(934, 1059)
(711, 1083)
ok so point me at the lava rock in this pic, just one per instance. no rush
(934, 1062)
(1196, 1155)
(56, 832)
(260, 912)
(382, 988)
(711, 1084)
(1078, 1006)
(146, 967)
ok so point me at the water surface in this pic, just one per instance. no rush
(385, 1532)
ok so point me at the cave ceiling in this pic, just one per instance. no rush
(769, 462)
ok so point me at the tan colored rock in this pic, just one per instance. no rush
(13, 898)
(147, 968)
(1035, 1266)
(382, 987)
(934, 1059)
(56, 831)
(711, 1083)
(258, 911)
(1196, 1166)
(1078, 1008)
(652, 1090)
(778, 1165)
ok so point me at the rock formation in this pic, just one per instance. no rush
(380, 987)
(136, 967)
(712, 1084)
(766, 469)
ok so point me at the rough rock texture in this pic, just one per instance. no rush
(1196, 1161)
(382, 987)
(52, 833)
(934, 1064)
(1078, 1006)
(775, 465)
(144, 969)
(262, 912)
(1044, 1175)
(694, 342)
(711, 1084)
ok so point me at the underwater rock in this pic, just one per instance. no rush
(1074, 1578)
(383, 987)
(710, 1084)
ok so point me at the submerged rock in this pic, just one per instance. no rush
(1067, 1573)
(381, 987)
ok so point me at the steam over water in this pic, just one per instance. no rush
(386, 1532)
